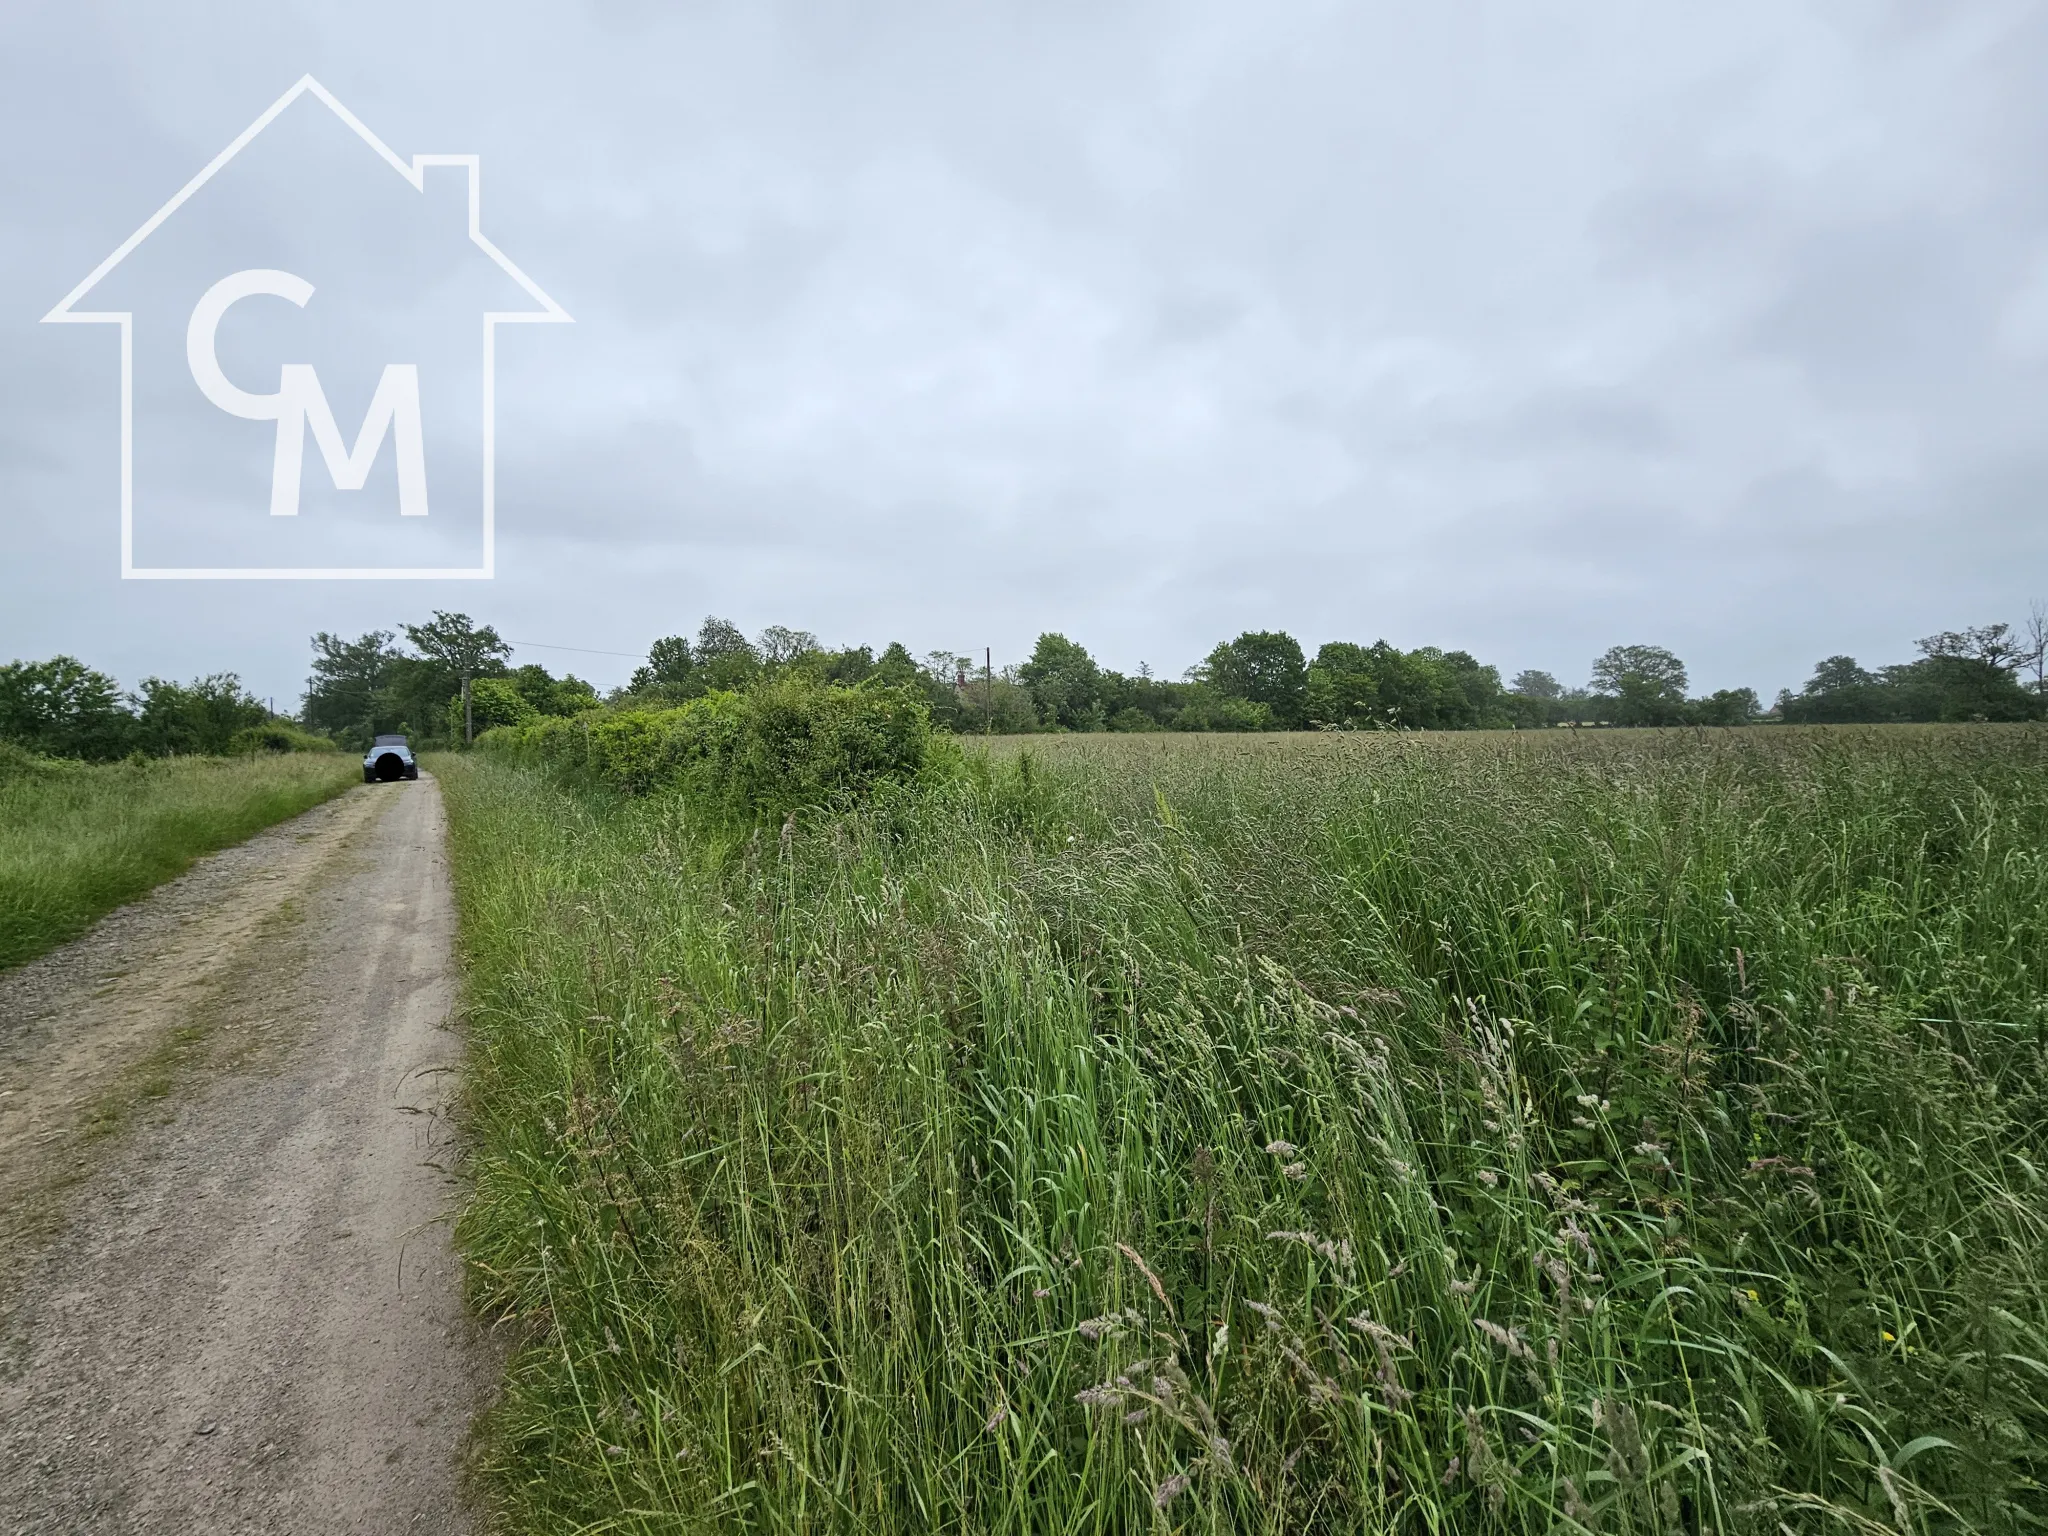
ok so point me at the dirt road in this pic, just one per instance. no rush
(227, 1297)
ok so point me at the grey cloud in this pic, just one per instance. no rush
(1523, 329)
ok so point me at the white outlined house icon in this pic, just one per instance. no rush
(290, 407)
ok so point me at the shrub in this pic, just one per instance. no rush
(493, 701)
(18, 762)
(1208, 710)
(762, 754)
(196, 719)
(277, 736)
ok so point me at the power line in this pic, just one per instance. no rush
(581, 650)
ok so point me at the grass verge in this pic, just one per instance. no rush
(1638, 1134)
(76, 841)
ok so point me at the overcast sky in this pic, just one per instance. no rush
(1527, 328)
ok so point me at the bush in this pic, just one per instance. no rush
(762, 754)
(1208, 710)
(493, 701)
(201, 718)
(277, 736)
(18, 762)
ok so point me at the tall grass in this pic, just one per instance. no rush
(1642, 1134)
(76, 841)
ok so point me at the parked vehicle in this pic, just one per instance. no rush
(389, 758)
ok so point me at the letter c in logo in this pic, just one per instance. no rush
(199, 339)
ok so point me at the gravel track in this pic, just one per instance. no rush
(228, 1302)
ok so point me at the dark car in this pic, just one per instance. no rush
(389, 758)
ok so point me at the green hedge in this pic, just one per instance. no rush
(277, 736)
(17, 762)
(763, 753)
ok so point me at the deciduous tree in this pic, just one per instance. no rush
(345, 695)
(198, 718)
(780, 646)
(455, 641)
(63, 708)
(1642, 684)
(668, 668)
(1265, 667)
(726, 659)
(1065, 684)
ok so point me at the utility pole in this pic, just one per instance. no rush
(988, 691)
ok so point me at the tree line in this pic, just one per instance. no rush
(431, 686)
(1264, 680)
(1991, 672)
(64, 708)
(448, 680)
(445, 680)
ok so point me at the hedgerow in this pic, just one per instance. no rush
(276, 736)
(763, 754)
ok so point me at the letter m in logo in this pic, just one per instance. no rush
(300, 403)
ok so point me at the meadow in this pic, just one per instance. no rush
(78, 840)
(1625, 1131)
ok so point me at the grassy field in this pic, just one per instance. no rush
(76, 841)
(1627, 1132)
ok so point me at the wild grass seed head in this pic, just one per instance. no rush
(1512, 1341)
(1170, 1490)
